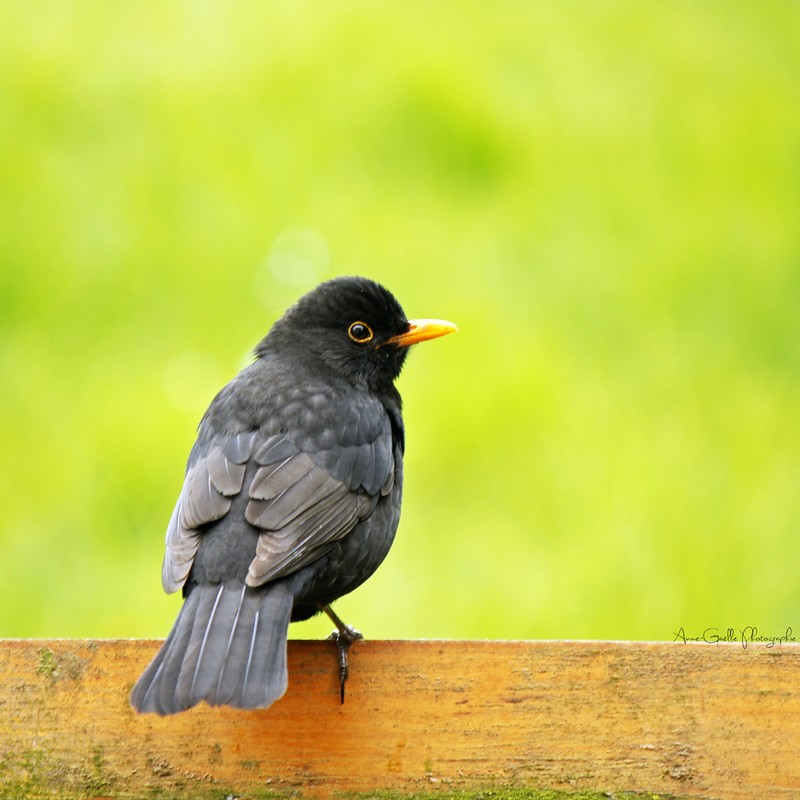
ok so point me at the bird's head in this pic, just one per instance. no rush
(354, 326)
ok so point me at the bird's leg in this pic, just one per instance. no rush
(344, 636)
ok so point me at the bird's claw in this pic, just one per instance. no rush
(344, 638)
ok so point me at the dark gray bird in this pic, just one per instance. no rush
(291, 497)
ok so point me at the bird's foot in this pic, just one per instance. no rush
(344, 641)
(345, 637)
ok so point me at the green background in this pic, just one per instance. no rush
(604, 196)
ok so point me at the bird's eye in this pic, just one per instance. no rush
(360, 332)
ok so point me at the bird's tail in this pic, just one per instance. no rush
(227, 647)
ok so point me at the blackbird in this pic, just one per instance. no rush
(291, 497)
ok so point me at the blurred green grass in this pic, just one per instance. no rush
(605, 197)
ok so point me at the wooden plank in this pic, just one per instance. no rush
(692, 720)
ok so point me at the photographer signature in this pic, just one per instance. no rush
(748, 635)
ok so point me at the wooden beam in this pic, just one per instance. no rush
(689, 720)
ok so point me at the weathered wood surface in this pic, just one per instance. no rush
(692, 720)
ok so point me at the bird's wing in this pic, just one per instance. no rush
(303, 502)
(208, 490)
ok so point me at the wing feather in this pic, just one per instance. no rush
(275, 448)
(181, 548)
(226, 475)
(309, 536)
(239, 447)
(199, 503)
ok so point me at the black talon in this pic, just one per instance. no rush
(345, 637)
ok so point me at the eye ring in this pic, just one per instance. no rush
(360, 332)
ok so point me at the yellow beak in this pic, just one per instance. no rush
(420, 330)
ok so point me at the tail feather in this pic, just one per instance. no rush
(216, 646)
(265, 672)
(231, 676)
(164, 668)
(227, 647)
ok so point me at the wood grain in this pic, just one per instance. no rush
(692, 720)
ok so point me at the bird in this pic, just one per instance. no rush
(291, 497)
